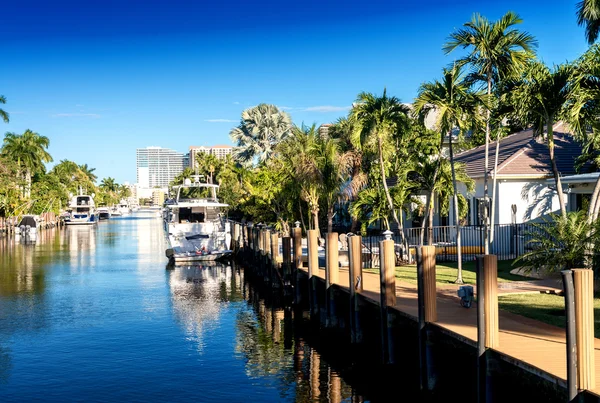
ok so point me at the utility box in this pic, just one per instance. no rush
(465, 292)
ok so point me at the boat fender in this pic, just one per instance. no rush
(169, 252)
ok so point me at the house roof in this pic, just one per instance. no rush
(523, 155)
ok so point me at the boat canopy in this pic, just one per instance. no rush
(28, 220)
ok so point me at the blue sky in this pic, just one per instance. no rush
(101, 79)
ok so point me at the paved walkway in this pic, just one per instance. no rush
(539, 346)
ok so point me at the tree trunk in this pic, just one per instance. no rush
(486, 229)
(315, 214)
(459, 279)
(493, 200)
(387, 191)
(431, 198)
(592, 210)
(302, 215)
(561, 199)
(28, 183)
(330, 219)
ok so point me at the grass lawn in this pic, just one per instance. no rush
(547, 308)
(446, 272)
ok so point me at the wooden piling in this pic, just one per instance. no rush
(487, 321)
(296, 264)
(355, 286)
(335, 387)
(287, 261)
(584, 321)
(313, 269)
(427, 311)
(275, 250)
(492, 336)
(315, 373)
(388, 297)
(235, 238)
(332, 271)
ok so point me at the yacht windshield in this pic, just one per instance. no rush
(196, 193)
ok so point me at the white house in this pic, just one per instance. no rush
(525, 187)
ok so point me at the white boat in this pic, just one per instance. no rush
(82, 210)
(123, 208)
(103, 213)
(115, 212)
(27, 226)
(194, 224)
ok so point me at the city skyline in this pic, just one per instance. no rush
(103, 79)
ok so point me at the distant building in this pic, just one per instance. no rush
(219, 151)
(158, 197)
(157, 166)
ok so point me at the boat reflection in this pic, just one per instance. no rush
(264, 339)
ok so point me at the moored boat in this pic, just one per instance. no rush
(82, 210)
(103, 213)
(194, 224)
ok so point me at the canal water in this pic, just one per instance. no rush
(92, 314)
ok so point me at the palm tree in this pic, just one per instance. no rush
(561, 242)
(89, 172)
(330, 168)
(497, 51)
(434, 176)
(260, 130)
(3, 113)
(109, 184)
(370, 206)
(342, 129)
(457, 108)
(588, 14)
(29, 151)
(377, 120)
(541, 99)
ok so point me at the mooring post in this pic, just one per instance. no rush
(275, 250)
(297, 263)
(584, 321)
(286, 247)
(234, 239)
(355, 286)
(387, 257)
(315, 373)
(313, 270)
(332, 275)
(267, 256)
(335, 387)
(487, 320)
(568, 289)
(427, 310)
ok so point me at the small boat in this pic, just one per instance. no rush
(115, 212)
(194, 224)
(82, 210)
(103, 213)
(27, 226)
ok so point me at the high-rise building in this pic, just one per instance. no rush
(219, 151)
(157, 166)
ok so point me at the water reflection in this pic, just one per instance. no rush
(264, 339)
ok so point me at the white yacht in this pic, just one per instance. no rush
(82, 210)
(103, 213)
(123, 207)
(194, 224)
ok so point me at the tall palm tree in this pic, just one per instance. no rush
(89, 172)
(260, 130)
(456, 107)
(3, 113)
(497, 51)
(29, 150)
(588, 14)
(331, 168)
(377, 119)
(342, 129)
(583, 111)
(541, 100)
